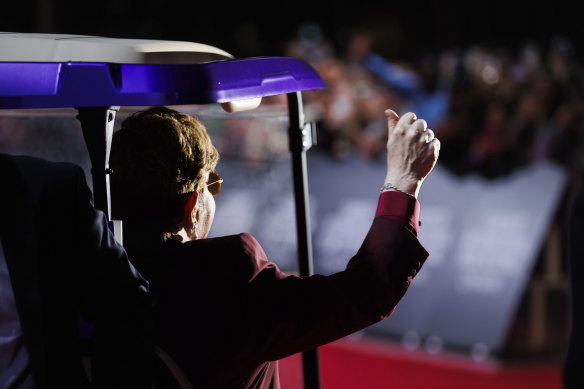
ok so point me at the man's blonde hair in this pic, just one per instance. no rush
(157, 156)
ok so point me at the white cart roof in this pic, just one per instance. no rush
(28, 47)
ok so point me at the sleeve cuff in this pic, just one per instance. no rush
(399, 206)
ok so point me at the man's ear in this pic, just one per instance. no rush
(190, 209)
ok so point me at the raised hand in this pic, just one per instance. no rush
(412, 151)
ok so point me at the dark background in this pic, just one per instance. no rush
(251, 29)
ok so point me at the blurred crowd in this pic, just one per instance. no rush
(494, 109)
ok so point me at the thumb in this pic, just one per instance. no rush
(392, 118)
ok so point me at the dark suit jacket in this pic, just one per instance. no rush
(225, 313)
(573, 374)
(63, 261)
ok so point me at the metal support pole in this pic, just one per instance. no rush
(300, 137)
(97, 124)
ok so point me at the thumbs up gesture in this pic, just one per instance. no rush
(412, 151)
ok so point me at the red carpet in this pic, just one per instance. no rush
(369, 364)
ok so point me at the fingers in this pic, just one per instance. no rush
(409, 123)
(418, 129)
(431, 140)
(390, 113)
(428, 135)
(392, 118)
(407, 120)
(419, 125)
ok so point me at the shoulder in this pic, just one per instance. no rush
(244, 242)
(25, 162)
(36, 171)
(234, 256)
(230, 247)
(32, 180)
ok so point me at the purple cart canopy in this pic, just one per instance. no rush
(86, 84)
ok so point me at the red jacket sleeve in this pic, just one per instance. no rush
(283, 314)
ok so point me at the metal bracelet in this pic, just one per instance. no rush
(389, 186)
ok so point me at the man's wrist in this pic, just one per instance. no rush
(409, 187)
(388, 186)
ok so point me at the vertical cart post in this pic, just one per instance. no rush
(97, 124)
(301, 139)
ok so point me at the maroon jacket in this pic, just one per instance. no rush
(226, 314)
